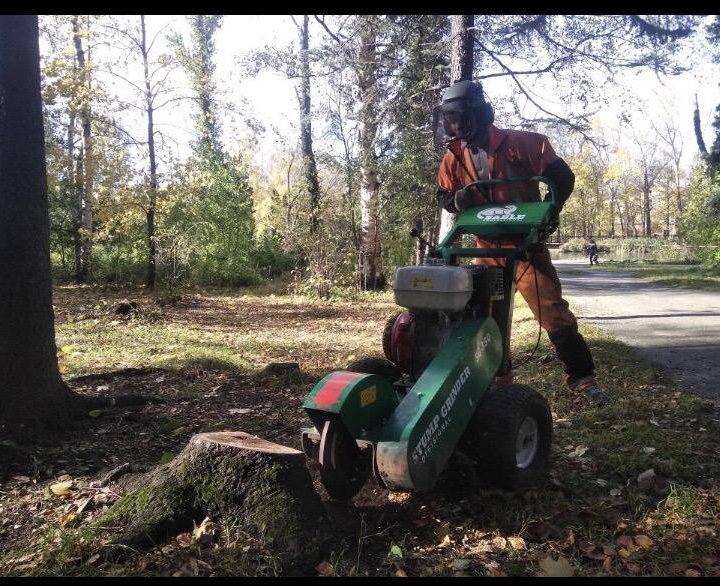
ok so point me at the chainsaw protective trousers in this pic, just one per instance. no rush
(538, 283)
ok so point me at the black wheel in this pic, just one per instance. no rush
(379, 366)
(344, 467)
(509, 437)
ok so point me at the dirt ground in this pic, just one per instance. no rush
(201, 362)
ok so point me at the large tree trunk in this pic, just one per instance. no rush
(461, 67)
(263, 487)
(370, 273)
(150, 213)
(461, 56)
(306, 141)
(32, 393)
(86, 170)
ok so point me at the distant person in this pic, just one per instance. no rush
(593, 252)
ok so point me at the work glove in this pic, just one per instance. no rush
(463, 199)
(554, 221)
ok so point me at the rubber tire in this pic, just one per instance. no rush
(379, 366)
(490, 438)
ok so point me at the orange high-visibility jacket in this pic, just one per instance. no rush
(515, 154)
(511, 154)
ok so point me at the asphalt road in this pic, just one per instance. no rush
(678, 329)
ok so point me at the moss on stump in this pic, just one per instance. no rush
(261, 487)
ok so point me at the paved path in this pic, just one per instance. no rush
(678, 329)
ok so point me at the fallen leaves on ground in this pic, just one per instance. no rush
(62, 488)
(555, 568)
(562, 528)
(325, 569)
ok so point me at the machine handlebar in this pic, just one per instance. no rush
(547, 181)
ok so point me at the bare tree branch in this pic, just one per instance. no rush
(509, 71)
(329, 32)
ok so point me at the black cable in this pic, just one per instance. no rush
(537, 292)
(523, 274)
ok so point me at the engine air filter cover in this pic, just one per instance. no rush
(434, 288)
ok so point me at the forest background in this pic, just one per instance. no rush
(228, 150)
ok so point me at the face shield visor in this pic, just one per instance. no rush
(458, 120)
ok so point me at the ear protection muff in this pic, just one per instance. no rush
(465, 103)
(486, 113)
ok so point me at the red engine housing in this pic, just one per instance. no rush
(398, 336)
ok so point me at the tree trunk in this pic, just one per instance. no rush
(85, 167)
(33, 396)
(71, 184)
(263, 487)
(150, 214)
(646, 205)
(350, 180)
(622, 223)
(78, 174)
(370, 274)
(461, 67)
(678, 191)
(698, 131)
(461, 56)
(306, 141)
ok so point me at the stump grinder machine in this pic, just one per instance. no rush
(441, 387)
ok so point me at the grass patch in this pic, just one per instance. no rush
(673, 275)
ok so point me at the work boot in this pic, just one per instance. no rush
(589, 387)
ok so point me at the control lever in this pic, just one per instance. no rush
(415, 234)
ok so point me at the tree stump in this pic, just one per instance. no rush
(243, 480)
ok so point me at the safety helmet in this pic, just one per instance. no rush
(464, 103)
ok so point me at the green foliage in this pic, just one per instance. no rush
(409, 172)
(634, 249)
(218, 224)
(207, 228)
(269, 258)
(197, 60)
(700, 223)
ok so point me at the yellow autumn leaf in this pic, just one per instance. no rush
(62, 488)
(517, 543)
(559, 568)
(67, 519)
